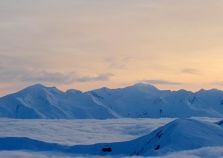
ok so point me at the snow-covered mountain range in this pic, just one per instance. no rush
(136, 101)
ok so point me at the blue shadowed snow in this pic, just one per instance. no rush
(178, 135)
(137, 101)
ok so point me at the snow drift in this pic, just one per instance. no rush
(178, 135)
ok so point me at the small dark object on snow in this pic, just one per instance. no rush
(106, 149)
(157, 147)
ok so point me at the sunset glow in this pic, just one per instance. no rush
(87, 44)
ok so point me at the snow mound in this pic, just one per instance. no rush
(181, 134)
(178, 135)
(23, 143)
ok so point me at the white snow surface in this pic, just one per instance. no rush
(71, 132)
(136, 101)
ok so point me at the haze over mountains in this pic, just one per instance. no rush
(136, 101)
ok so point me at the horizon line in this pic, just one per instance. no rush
(107, 87)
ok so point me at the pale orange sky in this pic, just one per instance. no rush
(87, 44)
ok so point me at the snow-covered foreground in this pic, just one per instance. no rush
(206, 152)
(74, 132)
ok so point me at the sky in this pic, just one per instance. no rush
(87, 44)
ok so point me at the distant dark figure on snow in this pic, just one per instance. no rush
(106, 149)
(161, 112)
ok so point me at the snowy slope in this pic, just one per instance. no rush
(178, 135)
(39, 101)
(143, 100)
(137, 101)
(181, 134)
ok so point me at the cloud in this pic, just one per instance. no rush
(32, 76)
(220, 83)
(50, 77)
(99, 77)
(162, 82)
(57, 77)
(118, 62)
(14, 69)
(190, 71)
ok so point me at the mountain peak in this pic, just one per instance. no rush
(211, 91)
(143, 86)
(39, 88)
(38, 85)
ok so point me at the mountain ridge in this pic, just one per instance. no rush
(137, 101)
